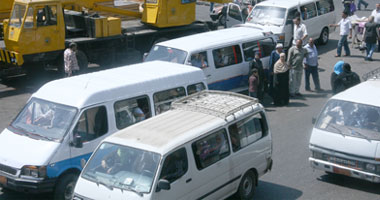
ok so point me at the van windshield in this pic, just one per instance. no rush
(42, 119)
(267, 15)
(351, 119)
(126, 168)
(166, 54)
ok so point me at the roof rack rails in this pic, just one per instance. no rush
(217, 103)
(374, 74)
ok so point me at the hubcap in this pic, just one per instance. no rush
(69, 191)
(325, 36)
(247, 186)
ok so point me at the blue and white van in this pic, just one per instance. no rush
(223, 55)
(64, 121)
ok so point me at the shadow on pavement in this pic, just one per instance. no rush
(296, 104)
(350, 182)
(13, 195)
(276, 191)
(331, 45)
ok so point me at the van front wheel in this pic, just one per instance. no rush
(247, 186)
(324, 37)
(65, 187)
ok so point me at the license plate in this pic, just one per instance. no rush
(3, 180)
(341, 171)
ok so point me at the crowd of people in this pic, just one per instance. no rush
(282, 80)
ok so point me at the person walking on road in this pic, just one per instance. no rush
(338, 68)
(360, 2)
(376, 14)
(345, 31)
(371, 34)
(311, 66)
(253, 83)
(296, 55)
(299, 32)
(70, 60)
(257, 64)
(281, 82)
(274, 57)
(346, 79)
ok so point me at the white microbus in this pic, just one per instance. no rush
(64, 121)
(210, 145)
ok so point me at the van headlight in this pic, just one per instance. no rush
(33, 171)
(317, 155)
(370, 167)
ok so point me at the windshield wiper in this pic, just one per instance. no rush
(129, 188)
(337, 129)
(99, 182)
(357, 132)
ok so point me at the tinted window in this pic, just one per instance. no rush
(191, 89)
(234, 12)
(92, 123)
(227, 56)
(250, 49)
(267, 46)
(162, 100)
(130, 111)
(211, 149)
(47, 16)
(308, 11)
(175, 166)
(199, 60)
(325, 6)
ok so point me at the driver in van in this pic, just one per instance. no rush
(116, 161)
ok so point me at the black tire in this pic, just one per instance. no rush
(247, 186)
(65, 187)
(324, 37)
(82, 61)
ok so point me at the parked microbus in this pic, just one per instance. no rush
(223, 55)
(346, 137)
(277, 17)
(210, 145)
(64, 121)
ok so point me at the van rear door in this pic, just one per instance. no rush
(234, 15)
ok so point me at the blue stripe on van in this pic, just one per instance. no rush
(56, 169)
(230, 83)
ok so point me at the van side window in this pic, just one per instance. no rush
(249, 50)
(325, 6)
(46, 16)
(191, 89)
(130, 111)
(234, 12)
(267, 46)
(162, 100)
(199, 60)
(211, 149)
(175, 166)
(308, 11)
(227, 56)
(247, 131)
(92, 123)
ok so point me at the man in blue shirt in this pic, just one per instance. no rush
(311, 66)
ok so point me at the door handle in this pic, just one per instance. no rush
(188, 180)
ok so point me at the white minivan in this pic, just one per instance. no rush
(223, 55)
(210, 145)
(346, 137)
(64, 121)
(277, 17)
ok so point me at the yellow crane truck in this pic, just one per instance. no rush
(38, 31)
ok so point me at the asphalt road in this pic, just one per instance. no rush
(291, 176)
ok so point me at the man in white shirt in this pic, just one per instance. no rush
(299, 32)
(311, 66)
(376, 14)
(345, 30)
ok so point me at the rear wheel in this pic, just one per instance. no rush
(324, 37)
(82, 61)
(247, 186)
(65, 187)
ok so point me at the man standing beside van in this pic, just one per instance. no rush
(295, 61)
(345, 30)
(311, 66)
(70, 59)
(299, 32)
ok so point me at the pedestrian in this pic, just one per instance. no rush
(371, 34)
(360, 2)
(70, 60)
(338, 68)
(311, 66)
(281, 82)
(300, 31)
(346, 79)
(253, 83)
(347, 6)
(296, 55)
(376, 14)
(345, 30)
(274, 57)
(257, 64)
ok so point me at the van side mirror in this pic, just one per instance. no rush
(77, 142)
(163, 185)
(313, 120)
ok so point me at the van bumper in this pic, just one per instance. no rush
(339, 169)
(26, 185)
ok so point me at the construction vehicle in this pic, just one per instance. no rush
(38, 31)
(5, 10)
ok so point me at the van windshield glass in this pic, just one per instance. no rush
(44, 120)
(126, 168)
(166, 54)
(267, 15)
(350, 119)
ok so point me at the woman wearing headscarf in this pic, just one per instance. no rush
(338, 68)
(281, 82)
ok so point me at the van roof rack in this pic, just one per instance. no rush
(217, 103)
(374, 74)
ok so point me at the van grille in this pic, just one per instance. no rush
(7, 169)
